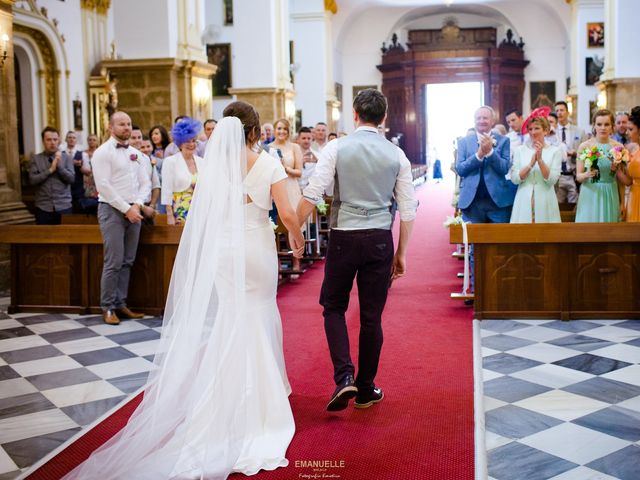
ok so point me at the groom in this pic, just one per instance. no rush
(369, 172)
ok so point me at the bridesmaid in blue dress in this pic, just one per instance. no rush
(599, 199)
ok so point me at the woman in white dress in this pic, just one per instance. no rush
(217, 403)
(536, 169)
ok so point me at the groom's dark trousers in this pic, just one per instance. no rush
(367, 256)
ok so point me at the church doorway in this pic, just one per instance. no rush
(449, 111)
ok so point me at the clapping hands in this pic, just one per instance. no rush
(485, 145)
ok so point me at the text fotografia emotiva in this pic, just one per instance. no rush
(319, 463)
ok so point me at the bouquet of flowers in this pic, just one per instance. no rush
(590, 156)
(619, 156)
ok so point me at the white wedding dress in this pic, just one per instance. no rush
(218, 401)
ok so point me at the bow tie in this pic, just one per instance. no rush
(122, 145)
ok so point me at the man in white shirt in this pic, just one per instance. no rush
(123, 183)
(154, 195)
(370, 172)
(320, 133)
(571, 136)
(309, 158)
(515, 135)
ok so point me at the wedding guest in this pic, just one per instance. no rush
(571, 136)
(146, 147)
(621, 126)
(536, 169)
(500, 129)
(319, 137)
(268, 133)
(309, 158)
(90, 202)
(180, 171)
(152, 200)
(77, 158)
(599, 199)
(332, 136)
(208, 127)
(516, 136)
(172, 148)
(632, 211)
(160, 140)
(52, 174)
(123, 183)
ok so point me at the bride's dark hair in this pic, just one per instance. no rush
(249, 118)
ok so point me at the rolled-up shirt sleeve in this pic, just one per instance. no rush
(324, 173)
(404, 191)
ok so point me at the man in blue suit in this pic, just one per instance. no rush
(486, 196)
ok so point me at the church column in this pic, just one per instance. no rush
(620, 83)
(12, 210)
(311, 23)
(260, 62)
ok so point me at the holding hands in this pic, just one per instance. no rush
(296, 242)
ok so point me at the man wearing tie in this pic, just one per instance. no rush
(486, 196)
(571, 136)
(123, 183)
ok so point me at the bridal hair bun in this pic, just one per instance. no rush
(249, 118)
(539, 116)
(185, 129)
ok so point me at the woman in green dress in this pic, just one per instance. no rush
(599, 175)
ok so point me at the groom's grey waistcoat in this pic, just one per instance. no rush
(367, 166)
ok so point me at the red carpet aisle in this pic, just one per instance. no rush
(424, 427)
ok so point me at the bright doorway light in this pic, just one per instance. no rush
(450, 108)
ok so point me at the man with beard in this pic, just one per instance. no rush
(123, 183)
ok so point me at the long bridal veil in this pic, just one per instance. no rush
(197, 387)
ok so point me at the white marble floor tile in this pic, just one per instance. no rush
(34, 425)
(15, 387)
(45, 365)
(543, 352)
(19, 343)
(538, 334)
(9, 323)
(81, 393)
(486, 351)
(574, 443)
(624, 353)
(54, 326)
(2, 362)
(583, 473)
(631, 404)
(535, 322)
(612, 333)
(490, 375)
(491, 403)
(85, 345)
(124, 327)
(552, 376)
(488, 333)
(630, 374)
(606, 322)
(120, 368)
(562, 405)
(143, 348)
(493, 440)
(6, 464)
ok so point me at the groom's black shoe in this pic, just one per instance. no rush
(366, 400)
(344, 392)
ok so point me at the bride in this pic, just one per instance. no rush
(217, 401)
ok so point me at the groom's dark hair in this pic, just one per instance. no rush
(371, 106)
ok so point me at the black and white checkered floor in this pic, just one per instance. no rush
(59, 373)
(561, 399)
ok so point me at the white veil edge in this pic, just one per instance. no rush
(200, 361)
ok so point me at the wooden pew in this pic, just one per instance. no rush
(561, 270)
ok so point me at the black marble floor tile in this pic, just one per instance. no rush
(24, 404)
(129, 383)
(575, 327)
(69, 335)
(26, 452)
(623, 464)
(15, 332)
(154, 322)
(514, 422)
(85, 413)
(593, 364)
(10, 475)
(505, 342)
(4, 315)
(64, 378)
(28, 354)
(605, 390)
(7, 373)
(102, 356)
(506, 363)
(134, 337)
(149, 358)
(615, 421)
(632, 324)
(580, 342)
(509, 389)
(635, 342)
(502, 325)
(35, 319)
(90, 321)
(515, 461)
